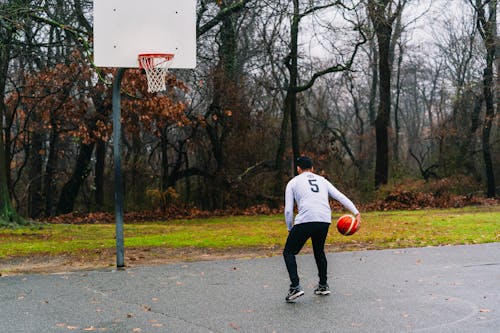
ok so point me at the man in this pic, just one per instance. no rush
(311, 192)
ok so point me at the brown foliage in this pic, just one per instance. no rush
(443, 193)
(401, 199)
(60, 97)
(157, 215)
(150, 111)
(65, 96)
(395, 200)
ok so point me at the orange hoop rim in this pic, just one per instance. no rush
(165, 56)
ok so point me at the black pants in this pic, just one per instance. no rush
(297, 237)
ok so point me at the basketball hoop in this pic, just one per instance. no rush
(156, 66)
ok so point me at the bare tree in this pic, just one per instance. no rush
(294, 86)
(383, 14)
(10, 13)
(457, 125)
(486, 20)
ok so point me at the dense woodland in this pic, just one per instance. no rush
(382, 94)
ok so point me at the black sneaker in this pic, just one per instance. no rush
(322, 289)
(294, 293)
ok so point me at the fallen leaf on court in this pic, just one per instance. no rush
(146, 308)
(61, 325)
(484, 310)
(137, 329)
(72, 327)
(234, 326)
(155, 299)
(91, 328)
(157, 325)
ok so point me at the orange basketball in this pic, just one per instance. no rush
(347, 225)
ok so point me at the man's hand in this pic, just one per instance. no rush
(358, 219)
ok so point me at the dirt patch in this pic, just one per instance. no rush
(42, 264)
(106, 259)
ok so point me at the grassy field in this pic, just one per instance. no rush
(380, 230)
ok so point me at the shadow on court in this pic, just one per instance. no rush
(435, 289)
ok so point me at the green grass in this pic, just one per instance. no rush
(379, 230)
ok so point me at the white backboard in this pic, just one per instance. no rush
(125, 28)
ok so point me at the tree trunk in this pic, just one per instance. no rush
(488, 120)
(49, 185)
(489, 42)
(35, 165)
(373, 84)
(164, 182)
(100, 163)
(280, 154)
(289, 107)
(384, 107)
(466, 149)
(226, 93)
(486, 22)
(294, 74)
(382, 19)
(70, 190)
(396, 105)
(8, 215)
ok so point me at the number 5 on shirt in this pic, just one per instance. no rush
(314, 186)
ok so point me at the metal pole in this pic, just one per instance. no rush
(117, 129)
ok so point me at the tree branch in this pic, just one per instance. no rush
(336, 68)
(75, 31)
(316, 8)
(81, 17)
(263, 165)
(233, 8)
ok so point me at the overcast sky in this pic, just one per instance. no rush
(424, 19)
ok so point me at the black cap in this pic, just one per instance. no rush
(304, 162)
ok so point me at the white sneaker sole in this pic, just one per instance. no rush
(294, 297)
(322, 293)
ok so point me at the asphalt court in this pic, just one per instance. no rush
(432, 289)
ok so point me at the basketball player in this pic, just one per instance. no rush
(311, 192)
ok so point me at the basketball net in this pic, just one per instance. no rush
(156, 66)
